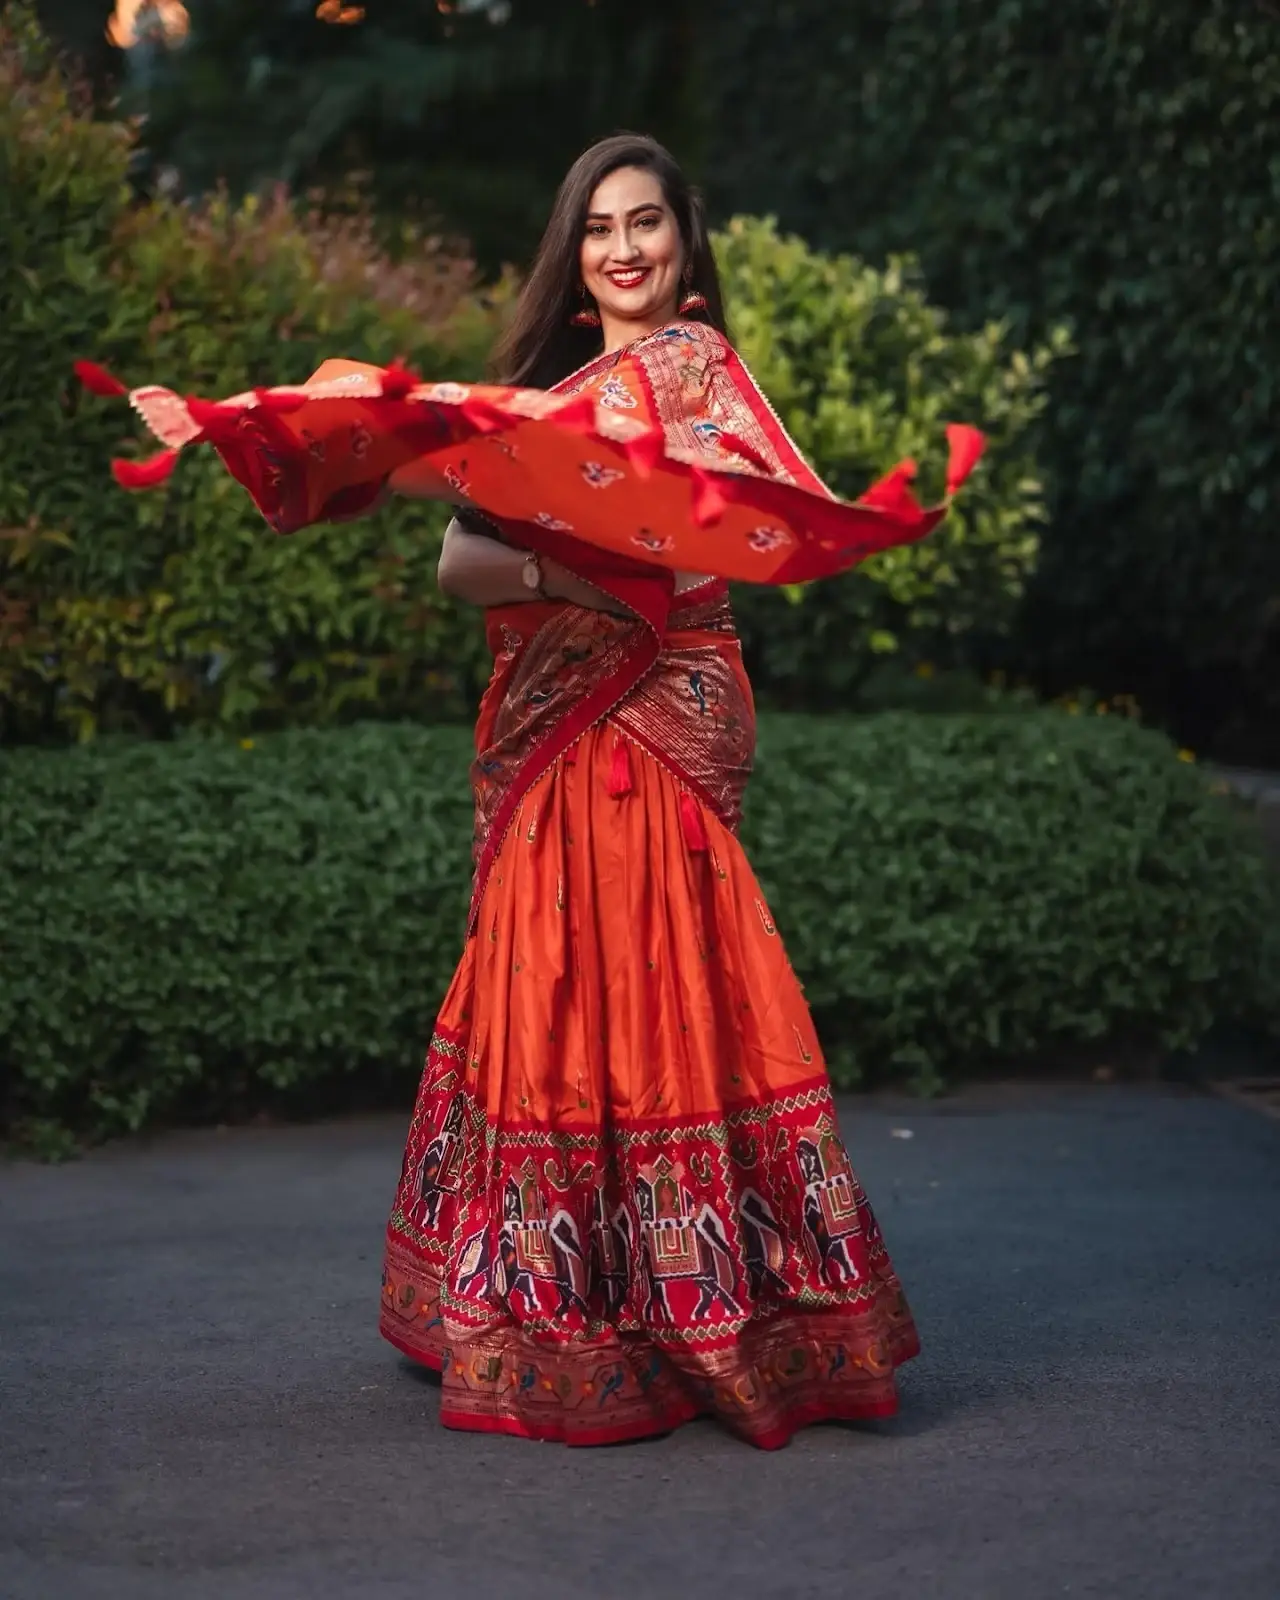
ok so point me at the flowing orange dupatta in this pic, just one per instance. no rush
(665, 457)
(612, 457)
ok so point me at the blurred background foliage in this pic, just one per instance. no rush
(144, 614)
(463, 115)
(1111, 167)
(1059, 167)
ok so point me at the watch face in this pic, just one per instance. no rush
(532, 577)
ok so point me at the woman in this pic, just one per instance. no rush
(624, 1200)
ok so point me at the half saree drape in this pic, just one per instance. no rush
(625, 1200)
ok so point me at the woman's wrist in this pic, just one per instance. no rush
(533, 576)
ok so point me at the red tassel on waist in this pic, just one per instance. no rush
(692, 825)
(145, 474)
(620, 770)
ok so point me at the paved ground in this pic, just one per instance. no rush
(195, 1404)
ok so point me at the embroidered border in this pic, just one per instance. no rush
(717, 1254)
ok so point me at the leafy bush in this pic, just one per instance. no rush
(197, 926)
(1116, 167)
(977, 888)
(864, 372)
(146, 613)
(208, 923)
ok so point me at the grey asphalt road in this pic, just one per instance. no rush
(196, 1405)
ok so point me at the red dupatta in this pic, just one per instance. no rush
(665, 454)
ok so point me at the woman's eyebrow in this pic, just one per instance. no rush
(604, 216)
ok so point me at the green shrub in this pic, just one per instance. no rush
(200, 924)
(1116, 167)
(195, 927)
(145, 613)
(978, 888)
(864, 371)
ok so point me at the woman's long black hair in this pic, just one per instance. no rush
(541, 346)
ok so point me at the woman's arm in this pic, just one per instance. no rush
(485, 572)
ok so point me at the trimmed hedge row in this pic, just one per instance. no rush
(204, 928)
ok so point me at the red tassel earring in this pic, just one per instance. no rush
(588, 316)
(692, 301)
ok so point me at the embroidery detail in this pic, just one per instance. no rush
(708, 432)
(598, 1285)
(763, 540)
(648, 540)
(598, 476)
(693, 710)
(615, 395)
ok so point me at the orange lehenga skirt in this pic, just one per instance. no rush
(624, 1200)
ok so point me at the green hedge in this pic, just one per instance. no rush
(201, 928)
(1113, 166)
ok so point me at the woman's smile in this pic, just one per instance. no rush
(627, 277)
(632, 255)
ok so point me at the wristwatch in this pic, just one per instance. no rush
(531, 575)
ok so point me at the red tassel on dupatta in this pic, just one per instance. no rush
(145, 474)
(398, 380)
(966, 446)
(97, 380)
(708, 499)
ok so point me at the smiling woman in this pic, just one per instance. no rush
(624, 1198)
(626, 241)
(632, 257)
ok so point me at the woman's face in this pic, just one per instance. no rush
(632, 256)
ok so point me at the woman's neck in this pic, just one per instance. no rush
(618, 335)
